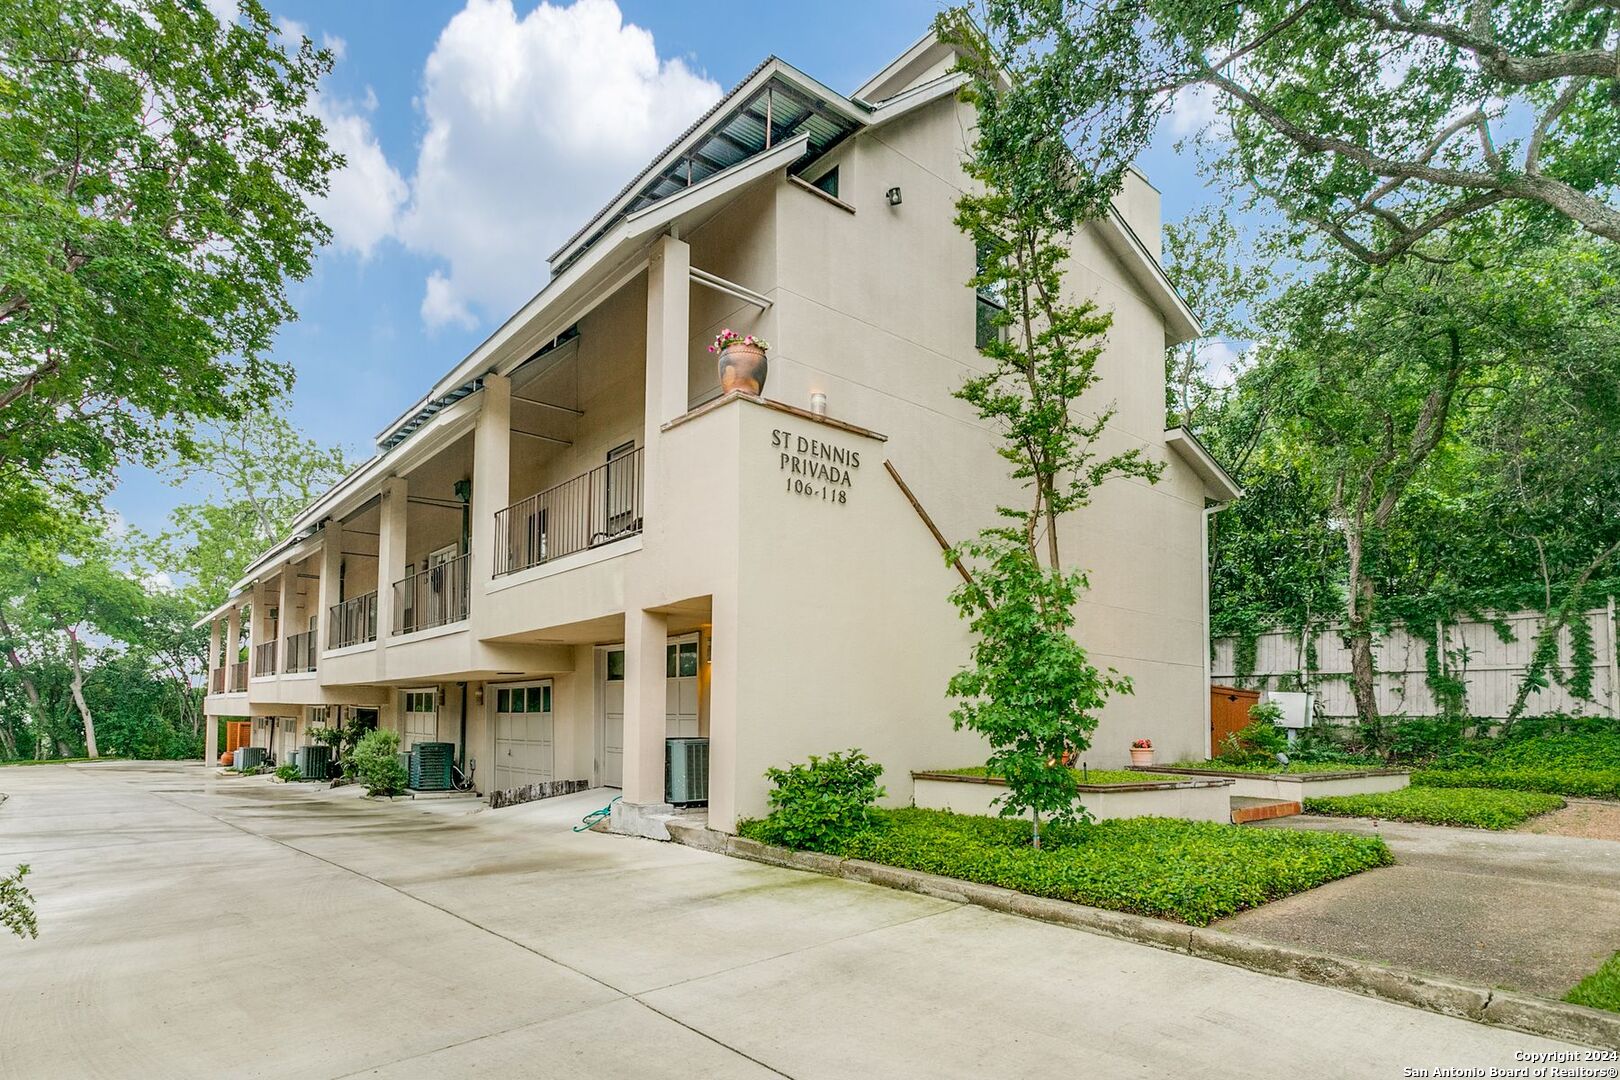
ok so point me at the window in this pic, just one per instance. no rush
(988, 301)
(681, 660)
(615, 665)
(828, 182)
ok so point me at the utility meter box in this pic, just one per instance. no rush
(1297, 710)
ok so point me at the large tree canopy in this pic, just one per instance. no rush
(155, 175)
(1377, 122)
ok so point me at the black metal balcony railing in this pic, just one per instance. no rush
(597, 508)
(264, 658)
(432, 597)
(352, 622)
(216, 681)
(239, 676)
(300, 652)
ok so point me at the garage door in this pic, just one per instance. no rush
(523, 735)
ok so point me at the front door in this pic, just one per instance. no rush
(612, 724)
(681, 688)
(421, 714)
(523, 735)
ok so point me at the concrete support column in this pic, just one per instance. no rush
(491, 478)
(669, 306)
(286, 610)
(390, 554)
(256, 626)
(327, 594)
(233, 641)
(213, 651)
(645, 638)
(724, 731)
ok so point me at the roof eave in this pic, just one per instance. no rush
(1219, 484)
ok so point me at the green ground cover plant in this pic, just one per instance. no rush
(1474, 808)
(1601, 989)
(1581, 764)
(1293, 768)
(1191, 871)
(1086, 776)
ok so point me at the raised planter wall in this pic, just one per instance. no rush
(1297, 787)
(1194, 799)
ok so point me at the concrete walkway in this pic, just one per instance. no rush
(193, 926)
(1503, 909)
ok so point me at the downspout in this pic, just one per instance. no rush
(1209, 720)
(461, 754)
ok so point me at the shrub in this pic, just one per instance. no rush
(287, 772)
(378, 767)
(823, 803)
(1575, 763)
(1261, 740)
(1601, 989)
(1474, 808)
(1193, 871)
(1587, 783)
(17, 904)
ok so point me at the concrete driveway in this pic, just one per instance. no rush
(195, 926)
(1519, 910)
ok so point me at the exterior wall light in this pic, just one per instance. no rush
(818, 403)
(893, 195)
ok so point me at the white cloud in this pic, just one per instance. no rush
(363, 203)
(532, 123)
(1222, 361)
(1193, 109)
(441, 306)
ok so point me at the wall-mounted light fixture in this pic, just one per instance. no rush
(893, 195)
(818, 403)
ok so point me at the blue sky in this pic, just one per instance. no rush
(480, 133)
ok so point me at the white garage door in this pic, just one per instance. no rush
(523, 735)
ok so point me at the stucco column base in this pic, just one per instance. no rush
(641, 819)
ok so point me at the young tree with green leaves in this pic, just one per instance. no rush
(1031, 689)
(156, 173)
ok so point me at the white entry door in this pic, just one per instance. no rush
(612, 726)
(681, 688)
(523, 735)
(421, 712)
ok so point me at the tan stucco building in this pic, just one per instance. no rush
(574, 548)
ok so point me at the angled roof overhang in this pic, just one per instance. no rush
(775, 103)
(1218, 483)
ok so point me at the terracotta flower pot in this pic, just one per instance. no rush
(1142, 755)
(743, 367)
(227, 758)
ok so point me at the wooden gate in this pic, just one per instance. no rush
(238, 733)
(1228, 712)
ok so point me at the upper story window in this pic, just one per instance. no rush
(989, 302)
(828, 182)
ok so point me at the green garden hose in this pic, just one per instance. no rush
(596, 815)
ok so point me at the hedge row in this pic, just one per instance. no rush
(1191, 871)
(1475, 808)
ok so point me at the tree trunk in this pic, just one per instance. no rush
(15, 661)
(78, 696)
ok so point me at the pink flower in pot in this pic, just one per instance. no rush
(1142, 752)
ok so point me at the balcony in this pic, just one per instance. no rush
(353, 622)
(239, 676)
(433, 597)
(587, 511)
(300, 652)
(264, 658)
(216, 681)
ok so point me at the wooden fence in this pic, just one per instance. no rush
(1491, 670)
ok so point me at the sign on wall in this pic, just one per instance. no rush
(814, 469)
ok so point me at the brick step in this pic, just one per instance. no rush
(1246, 809)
